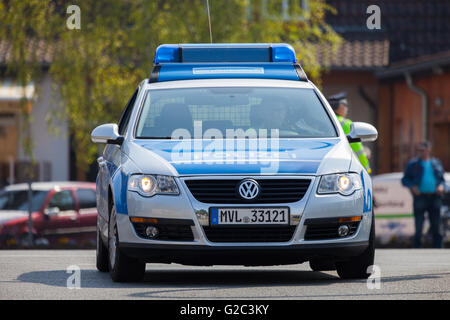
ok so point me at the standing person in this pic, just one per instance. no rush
(340, 107)
(424, 176)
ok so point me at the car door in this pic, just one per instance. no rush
(61, 215)
(110, 161)
(87, 211)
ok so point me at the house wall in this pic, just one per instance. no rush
(437, 87)
(400, 134)
(385, 128)
(51, 152)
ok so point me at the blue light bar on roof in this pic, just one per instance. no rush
(222, 53)
(188, 71)
(167, 53)
(283, 53)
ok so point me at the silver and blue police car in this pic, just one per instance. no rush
(228, 154)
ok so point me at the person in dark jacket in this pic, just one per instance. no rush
(424, 176)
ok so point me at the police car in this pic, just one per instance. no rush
(228, 154)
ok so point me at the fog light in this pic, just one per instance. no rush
(151, 232)
(343, 230)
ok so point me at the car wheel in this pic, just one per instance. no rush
(102, 254)
(356, 267)
(322, 265)
(121, 267)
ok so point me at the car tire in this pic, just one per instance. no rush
(102, 254)
(356, 267)
(322, 265)
(122, 268)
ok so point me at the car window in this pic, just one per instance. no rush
(18, 200)
(86, 198)
(62, 200)
(294, 112)
(125, 117)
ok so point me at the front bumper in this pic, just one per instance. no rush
(201, 251)
(204, 255)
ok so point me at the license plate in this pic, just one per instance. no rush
(249, 216)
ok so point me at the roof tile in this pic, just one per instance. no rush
(355, 54)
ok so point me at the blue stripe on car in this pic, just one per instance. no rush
(284, 167)
(291, 157)
(366, 197)
(119, 184)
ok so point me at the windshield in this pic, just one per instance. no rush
(18, 200)
(218, 112)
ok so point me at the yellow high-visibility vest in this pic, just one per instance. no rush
(357, 147)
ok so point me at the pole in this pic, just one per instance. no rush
(30, 212)
(11, 170)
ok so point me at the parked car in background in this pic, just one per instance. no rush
(393, 209)
(62, 213)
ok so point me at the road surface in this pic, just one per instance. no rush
(42, 274)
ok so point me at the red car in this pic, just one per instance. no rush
(63, 213)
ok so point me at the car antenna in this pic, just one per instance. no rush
(209, 21)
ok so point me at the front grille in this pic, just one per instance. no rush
(324, 231)
(168, 232)
(249, 234)
(225, 191)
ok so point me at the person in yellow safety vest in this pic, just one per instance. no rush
(340, 106)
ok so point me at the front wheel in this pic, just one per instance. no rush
(102, 254)
(356, 267)
(121, 267)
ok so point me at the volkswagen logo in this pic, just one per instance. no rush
(248, 189)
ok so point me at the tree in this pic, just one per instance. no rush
(24, 28)
(97, 67)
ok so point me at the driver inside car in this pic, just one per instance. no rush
(270, 114)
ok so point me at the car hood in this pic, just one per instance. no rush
(8, 215)
(285, 156)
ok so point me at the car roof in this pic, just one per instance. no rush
(204, 83)
(49, 185)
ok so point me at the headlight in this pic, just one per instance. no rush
(149, 185)
(343, 183)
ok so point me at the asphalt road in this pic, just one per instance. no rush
(405, 274)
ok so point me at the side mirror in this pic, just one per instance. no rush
(361, 131)
(107, 133)
(52, 211)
